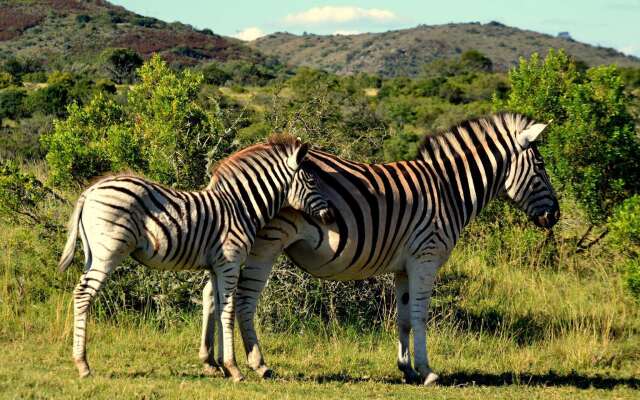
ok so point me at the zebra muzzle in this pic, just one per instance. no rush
(547, 219)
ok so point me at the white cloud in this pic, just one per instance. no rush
(250, 33)
(339, 14)
(346, 32)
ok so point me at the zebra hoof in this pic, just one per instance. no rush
(411, 377)
(83, 368)
(265, 372)
(430, 379)
(234, 373)
(211, 370)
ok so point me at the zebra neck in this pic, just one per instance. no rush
(469, 185)
(253, 203)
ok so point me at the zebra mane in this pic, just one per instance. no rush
(504, 124)
(279, 141)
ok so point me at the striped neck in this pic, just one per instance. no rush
(473, 160)
(253, 187)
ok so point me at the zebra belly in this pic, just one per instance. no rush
(325, 262)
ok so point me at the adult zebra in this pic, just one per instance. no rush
(404, 218)
(211, 229)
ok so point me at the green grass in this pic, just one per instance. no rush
(512, 318)
(133, 359)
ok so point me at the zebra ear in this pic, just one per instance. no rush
(529, 135)
(298, 156)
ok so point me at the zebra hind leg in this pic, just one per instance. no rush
(83, 295)
(404, 328)
(226, 283)
(421, 278)
(206, 354)
(253, 279)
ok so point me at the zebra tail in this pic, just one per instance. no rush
(70, 246)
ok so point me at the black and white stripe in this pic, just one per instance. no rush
(211, 230)
(403, 218)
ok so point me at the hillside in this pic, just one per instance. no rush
(69, 31)
(403, 52)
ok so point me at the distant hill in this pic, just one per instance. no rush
(403, 52)
(69, 31)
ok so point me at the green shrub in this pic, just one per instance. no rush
(20, 194)
(624, 225)
(6, 80)
(161, 131)
(12, 103)
(214, 75)
(76, 149)
(591, 146)
(120, 63)
(35, 77)
(105, 85)
(402, 146)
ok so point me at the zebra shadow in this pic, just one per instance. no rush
(462, 379)
(550, 378)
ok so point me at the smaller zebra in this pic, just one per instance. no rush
(211, 230)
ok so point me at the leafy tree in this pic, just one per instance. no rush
(121, 63)
(20, 193)
(17, 67)
(591, 145)
(12, 102)
(177, 131)
(402, 146)
(161, 131)
(476, 61)
(215, 75)
(62, 89)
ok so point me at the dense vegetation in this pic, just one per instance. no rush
(512, 298)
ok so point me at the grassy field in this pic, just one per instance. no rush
(512, 318)
(132, 359)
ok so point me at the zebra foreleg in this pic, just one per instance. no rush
(209, 322)
(83, 295)
(421, 277)
(226, 283)
(253, 279)
(404, 328)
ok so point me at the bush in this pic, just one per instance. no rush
(624, 226)
(20, 194)
(12, 103)
(120, 64)
(6, 80)
(18, 67)
(35, 77)
(62, 89)
(23, 142)
(591, 146)
(214, 75)
(402, 146)
(294, 300)
(161, 131)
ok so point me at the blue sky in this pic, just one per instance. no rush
(614, 23)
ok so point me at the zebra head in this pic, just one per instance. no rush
(527, 183)
(304, 193)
